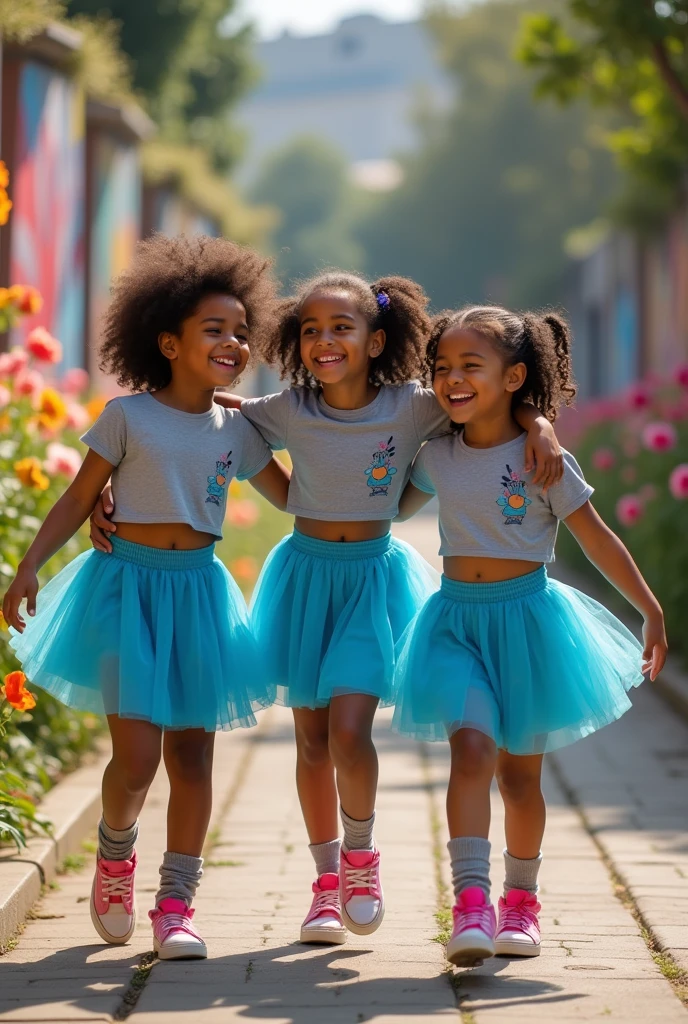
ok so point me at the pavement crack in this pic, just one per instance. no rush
(135, 987)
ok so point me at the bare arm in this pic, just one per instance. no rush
(273, 483)
(61, 523)
(611, 556)
(228, 401)
(542, 447)
(411, 501)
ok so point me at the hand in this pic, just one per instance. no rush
(24, 585)
(655, 645)
(101, 527)
(544, 454)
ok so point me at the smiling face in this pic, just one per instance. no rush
(336, 341)
(470, 377)
(211, 349)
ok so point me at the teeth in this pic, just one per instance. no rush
(460, 397)
(225, 361)
(328, 359)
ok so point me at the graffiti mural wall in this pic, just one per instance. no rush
(48, 192)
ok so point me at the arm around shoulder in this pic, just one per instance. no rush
(273, 483)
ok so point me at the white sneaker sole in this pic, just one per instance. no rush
(323, 936)
(363, 929)
(112, 940)
(469, 948)
(506, 947)
(181, 951)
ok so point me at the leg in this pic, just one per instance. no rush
(519, 780)
(132, 768)
(188, 755)
(353, 752)
(473, 760)
(315, 774)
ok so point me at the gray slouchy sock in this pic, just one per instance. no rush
(470, 863)
(358, 835)
(180, 875)
(521, 874)
(116, 844)
(326, 857)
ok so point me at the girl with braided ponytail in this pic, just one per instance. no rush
(503, 661)
(335, 596)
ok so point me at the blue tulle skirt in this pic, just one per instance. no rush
(530, 662)
(145, 633)
(327, 615)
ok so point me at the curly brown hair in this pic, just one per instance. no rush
(540, 340)
(395, 305)
(163, 286)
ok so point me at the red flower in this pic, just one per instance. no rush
(41, 344)
(16, 694)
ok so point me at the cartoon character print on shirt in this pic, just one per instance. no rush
(514, 498)
(218, 481)
(381, 471)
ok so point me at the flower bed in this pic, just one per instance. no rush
(634, 451)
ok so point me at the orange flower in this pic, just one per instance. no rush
(52, 410)
(16, 694)
(30, 473)
(5, 207)
(3, 622)
(96, 406)
(5, 423)
(235, 489)
(244, 569)
(5, 297)
(4, 175)
(27, 299)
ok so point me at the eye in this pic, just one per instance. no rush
(440, 369)
(308, 330)
(343, 327)
(471, 366)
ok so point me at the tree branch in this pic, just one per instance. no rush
(672, 81)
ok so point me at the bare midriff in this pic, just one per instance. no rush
(347, 532)
(486, 570)
(170, 536)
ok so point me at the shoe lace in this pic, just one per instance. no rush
(325, 900)
(170, 922)
(117, 885)
(471, 916)
(360, 878)
(517, 917)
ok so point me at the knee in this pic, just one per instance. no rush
(347, 741)
(312, 747)
(473, 755)
(517, 785)
(137, 770)
(189, 760)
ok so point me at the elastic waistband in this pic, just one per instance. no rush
(160, 558)
(341, 550)
(489, 593)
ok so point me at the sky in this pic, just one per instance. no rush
(308, 17)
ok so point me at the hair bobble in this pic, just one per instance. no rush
(383, 301)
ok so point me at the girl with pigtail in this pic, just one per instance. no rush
(335, 596)
(504, 662)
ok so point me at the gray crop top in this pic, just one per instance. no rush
(488, 506)
(173, 466)
(348, 464)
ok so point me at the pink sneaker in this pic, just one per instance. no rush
(113, 904)
(174, 937)
(324, 920)
(360, 891)
(472, 938)
(518, 931)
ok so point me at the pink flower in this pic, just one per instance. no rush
(13, 361)
(77, 416)
(5, 396)
(681, 375)
(629, 509)
(603, 458)
(628, 474)
(62, 460)
(243, 514)
(659, 437)
(678, 481)
(639, 396)
(75, 381)
(41, 344)
(28, 382)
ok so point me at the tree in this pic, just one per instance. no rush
(307, 181)
(631, 55)
(188, 69)
(487, 202)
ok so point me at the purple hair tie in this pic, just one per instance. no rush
(383, 300)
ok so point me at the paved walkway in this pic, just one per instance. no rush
(630, 784)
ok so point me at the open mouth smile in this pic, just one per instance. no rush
(332, 359)
(225, 360)
(460, 398)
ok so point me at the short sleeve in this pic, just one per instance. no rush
(428, 416)
(108, 435)
(420, 476)
(270, 415)
(571, 492)
(255, 453)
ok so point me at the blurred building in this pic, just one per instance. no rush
(363, 88)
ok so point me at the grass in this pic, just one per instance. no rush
(72, 862)
(224, 863)
(135, 987)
